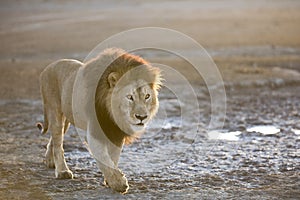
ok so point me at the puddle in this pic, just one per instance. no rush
(234, 135)
(217, 135)
(171, 125)
(296, 131)
(265, 130)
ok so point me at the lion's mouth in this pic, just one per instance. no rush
(140, 124)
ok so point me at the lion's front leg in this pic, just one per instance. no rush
(107, 162)
(114, 178)
(107, 156)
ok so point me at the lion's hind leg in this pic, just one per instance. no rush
(57, 128)
(49, 156)
(66, 126)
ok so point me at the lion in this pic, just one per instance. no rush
(124, 100)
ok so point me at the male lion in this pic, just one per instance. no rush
(124, 100)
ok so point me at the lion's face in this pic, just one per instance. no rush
(133, 105)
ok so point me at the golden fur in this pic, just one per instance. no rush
(125, 101)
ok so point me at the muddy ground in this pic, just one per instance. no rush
(257, 49)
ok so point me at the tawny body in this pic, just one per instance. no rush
(122, 98)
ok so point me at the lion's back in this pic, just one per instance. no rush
(60, 70)
(57, 82)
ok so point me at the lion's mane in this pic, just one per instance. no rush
(121, 62)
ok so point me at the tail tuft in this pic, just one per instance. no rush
(41, 128)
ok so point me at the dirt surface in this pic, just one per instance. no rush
(256, 46)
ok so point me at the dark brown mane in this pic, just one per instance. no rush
(121, 62)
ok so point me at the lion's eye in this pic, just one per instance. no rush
(129, 97)
(147, 96)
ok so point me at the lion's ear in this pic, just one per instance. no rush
(112, 79)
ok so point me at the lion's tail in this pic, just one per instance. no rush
(43, 128)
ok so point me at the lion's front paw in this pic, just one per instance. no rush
(67, 174)
(118, 182)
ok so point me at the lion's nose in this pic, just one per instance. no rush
(140, 117)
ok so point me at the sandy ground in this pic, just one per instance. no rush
(256, 46)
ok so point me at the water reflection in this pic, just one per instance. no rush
(296, 131)
(218, 135)
(265, 130)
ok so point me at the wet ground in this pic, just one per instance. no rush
(167, 164)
